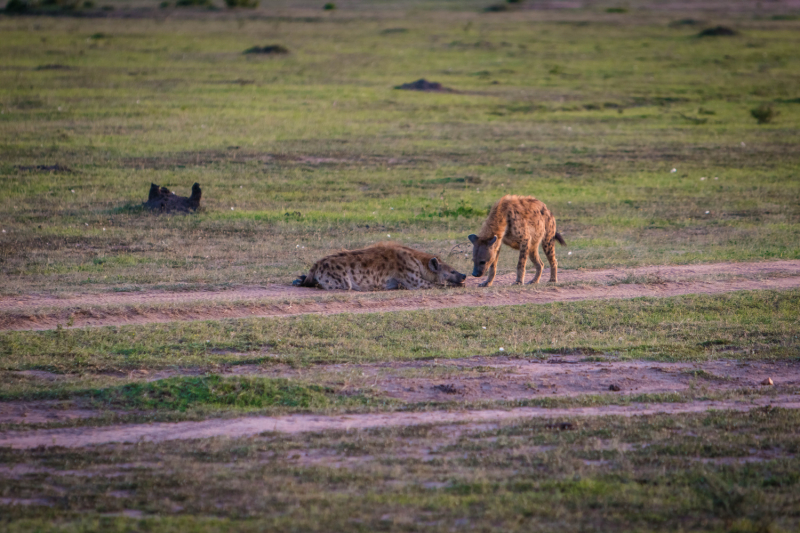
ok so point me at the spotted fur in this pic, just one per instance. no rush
(523, 223)
(383, 266)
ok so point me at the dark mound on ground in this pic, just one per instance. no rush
(718, 31)
(163, 200)
(269, 49)
(53, 66)
(423, 85)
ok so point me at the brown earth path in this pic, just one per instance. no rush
(243, 427)
(112, 309)
(473, 380)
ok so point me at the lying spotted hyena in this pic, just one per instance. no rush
(383, 266)
(521, 222)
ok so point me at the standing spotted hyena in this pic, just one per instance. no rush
(383, 266)
(521, 222)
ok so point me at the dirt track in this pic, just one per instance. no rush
(46, 312)
(243, 427)
(472, 380)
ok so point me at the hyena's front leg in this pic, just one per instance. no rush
(490, 275)
(523, 260)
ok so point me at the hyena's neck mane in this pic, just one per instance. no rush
(495, 224)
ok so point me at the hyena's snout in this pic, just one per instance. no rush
(458, 278)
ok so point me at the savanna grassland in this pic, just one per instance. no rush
(587, 110)
(636, 132)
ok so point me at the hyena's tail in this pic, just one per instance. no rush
(560, 239)
(307, 280)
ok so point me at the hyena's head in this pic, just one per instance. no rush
(484, 252)
(445, 274)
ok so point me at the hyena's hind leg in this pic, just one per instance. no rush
(524, 247)
(550, 251)
(533, 252)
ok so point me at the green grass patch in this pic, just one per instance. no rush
(753, 324)
(181, 393)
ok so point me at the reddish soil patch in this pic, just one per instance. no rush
(568, 376)
(40, 413)
(243, 427)
(480, 379)
(46, 312)
(497, 378)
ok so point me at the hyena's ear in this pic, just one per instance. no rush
(492, 241)
(472, 238)
(154, 191)
(434, 265)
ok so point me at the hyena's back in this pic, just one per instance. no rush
(384, 266)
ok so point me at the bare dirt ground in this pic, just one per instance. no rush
(477, 379)
(243, 427)
(481, 378)
(41, 412)
(92, 310)
(497, 379)
(472, 379)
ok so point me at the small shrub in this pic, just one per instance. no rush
(463, 209)
(249, 4)
(47, 6)
(164, 4)
(616, 10)
(764, 113)
(496, 8)
(98, 36)
(19, 6)
(330, 6)
(64, 5)
(193, 3)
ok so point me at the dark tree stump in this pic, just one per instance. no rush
(163, 200)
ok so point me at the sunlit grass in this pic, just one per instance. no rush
(588, 117)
